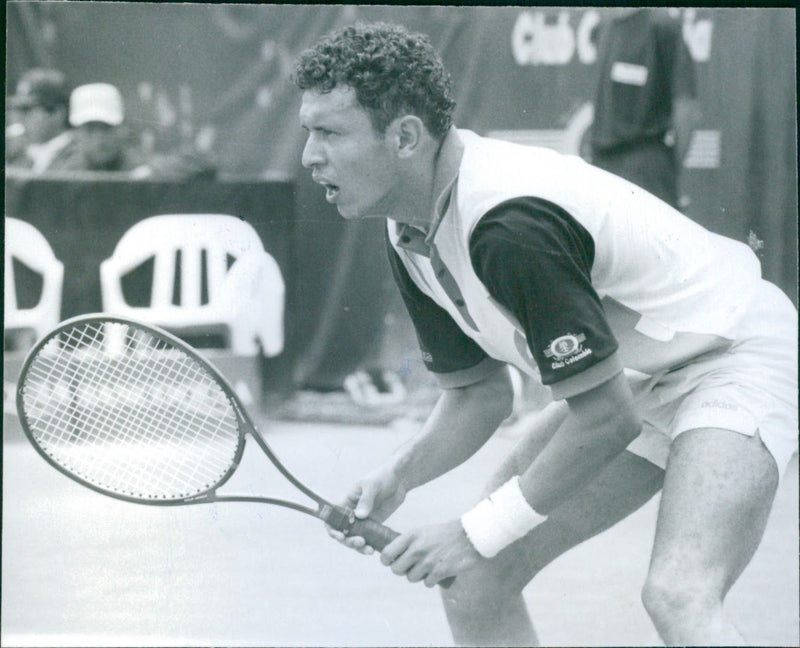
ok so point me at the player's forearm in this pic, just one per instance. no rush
(461, 422)
(573, 457)
(595, 431)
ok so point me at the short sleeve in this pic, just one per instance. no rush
(535, 259)
(446, 350)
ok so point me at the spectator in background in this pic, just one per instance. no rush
(38, 137)
(105, 144)
(96, 111)
(645, 107)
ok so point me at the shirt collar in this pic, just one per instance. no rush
(445, 175)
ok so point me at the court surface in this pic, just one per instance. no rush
(80, 569)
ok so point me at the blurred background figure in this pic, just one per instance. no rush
(38, 137)
(103, 143)
(645, 106)
(96, 112)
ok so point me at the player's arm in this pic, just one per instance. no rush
(477, 396)
(599, 425)
(536, 259)
(461, 422)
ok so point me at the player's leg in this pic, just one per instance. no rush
(717, 495)
(485, 606)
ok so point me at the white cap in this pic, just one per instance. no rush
(96, 102)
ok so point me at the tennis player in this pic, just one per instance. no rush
(672, 364)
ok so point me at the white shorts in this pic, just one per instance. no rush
(750, 388)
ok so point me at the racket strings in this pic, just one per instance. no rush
(139, 417)
(107, 419)
(110, 419)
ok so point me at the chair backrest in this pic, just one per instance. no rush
(219, 253)
(27, 245)
(181, 243)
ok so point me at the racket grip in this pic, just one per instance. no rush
(376, 534)
(343, 519)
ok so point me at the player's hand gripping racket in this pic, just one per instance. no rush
(133, 412)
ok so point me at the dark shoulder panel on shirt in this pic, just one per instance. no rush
(515, 220)
(445, 348)
(535, 259)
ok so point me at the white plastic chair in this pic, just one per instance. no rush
(29, 246)
(245, 298)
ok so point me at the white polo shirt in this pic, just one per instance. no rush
(669, 289)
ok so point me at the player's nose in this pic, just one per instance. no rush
(312, 153)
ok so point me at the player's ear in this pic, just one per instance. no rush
(409, 132)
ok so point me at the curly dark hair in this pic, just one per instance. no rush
(393, 72)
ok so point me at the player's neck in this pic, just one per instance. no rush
(415, 204)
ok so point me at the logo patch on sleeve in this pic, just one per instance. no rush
(566, 350)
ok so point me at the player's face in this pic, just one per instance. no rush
(355, 164)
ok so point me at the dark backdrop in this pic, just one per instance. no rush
(219, 75)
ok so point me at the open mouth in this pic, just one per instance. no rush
(331, 191)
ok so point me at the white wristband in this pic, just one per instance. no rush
(500, 519)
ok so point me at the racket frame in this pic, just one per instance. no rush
(245, 425)
(338, 517)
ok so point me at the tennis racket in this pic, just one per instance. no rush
(135, 413)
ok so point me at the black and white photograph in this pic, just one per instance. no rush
(399, 325)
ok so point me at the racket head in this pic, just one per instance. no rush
(130, 411)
